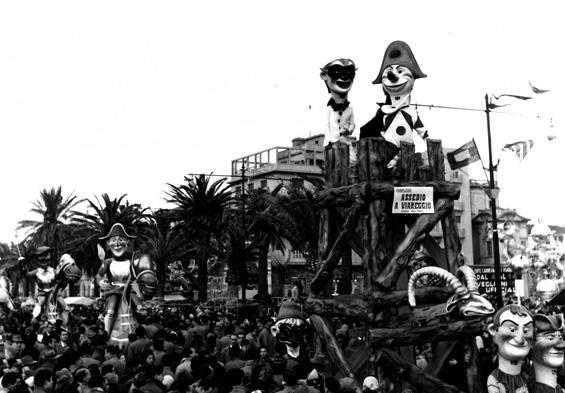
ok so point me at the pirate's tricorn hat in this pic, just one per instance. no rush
(41, 250)
(117, 230)
(398, 52)
(548, 323)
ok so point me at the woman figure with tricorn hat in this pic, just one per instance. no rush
(117, 276)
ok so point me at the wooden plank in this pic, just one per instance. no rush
(407, 167)
(423, 225)
(370, 191)
(409, 335)
(329, 264)
(451, 240)
(435, 159)
(332, 347)
(362, 306)
(417, 377)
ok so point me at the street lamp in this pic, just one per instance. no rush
(492, 193)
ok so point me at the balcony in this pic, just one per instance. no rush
(287, 159)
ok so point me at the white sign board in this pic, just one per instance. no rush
(413, 200)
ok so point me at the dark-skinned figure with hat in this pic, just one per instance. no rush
(124, 278)
(293, 331)
(396, 120)
(50, 282)
(338, 75)
(547, 353)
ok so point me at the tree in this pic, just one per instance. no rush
(199, 213)
(267, 223)
(298, 204)
(55, 210)
(238, 253)
(165, 245)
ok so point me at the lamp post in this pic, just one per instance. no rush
(492, 193)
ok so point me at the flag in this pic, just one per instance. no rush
(498, 102)
(465, 155)
(520, 148)
(536, 90)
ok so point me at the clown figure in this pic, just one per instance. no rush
(396, 120)
(513, 331)
(548, 352)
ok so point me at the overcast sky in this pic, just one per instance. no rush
(124, 97)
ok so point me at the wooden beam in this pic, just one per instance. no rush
(332, 347)
(422, 226)
(369, 191)
(359, 306)
(327, 267)
(421, 380)
(409, 335)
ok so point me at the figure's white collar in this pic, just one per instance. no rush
(397, 104)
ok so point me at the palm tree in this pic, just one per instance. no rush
(267, 228)
(239, 251)
(55, 210)
(165, 245)
(298, 203)
(199, 212)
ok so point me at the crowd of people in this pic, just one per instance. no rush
(173, 350)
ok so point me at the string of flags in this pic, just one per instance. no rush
(468, 153)
(520, 148)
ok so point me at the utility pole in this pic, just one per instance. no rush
(244, 237)
(492, 194)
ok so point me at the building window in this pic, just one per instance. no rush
(263, 183)
(250, 186)
(489, 249)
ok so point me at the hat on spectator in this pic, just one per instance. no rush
(371, 383)
(27, 360)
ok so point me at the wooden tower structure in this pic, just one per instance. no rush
(356, 214)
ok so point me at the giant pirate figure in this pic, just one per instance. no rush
(125, 278)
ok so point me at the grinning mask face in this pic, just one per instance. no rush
(339, 75)
(513, 336)
(292, 332)
(549, 347)
(118, 245)
(397, 80)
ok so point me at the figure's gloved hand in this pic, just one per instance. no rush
(104, 285)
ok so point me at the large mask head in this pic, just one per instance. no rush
(291, 328)
(43, 256)
(549, 347)
(513, 332)
(398, 70)
(118, 240)
(339, 75)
